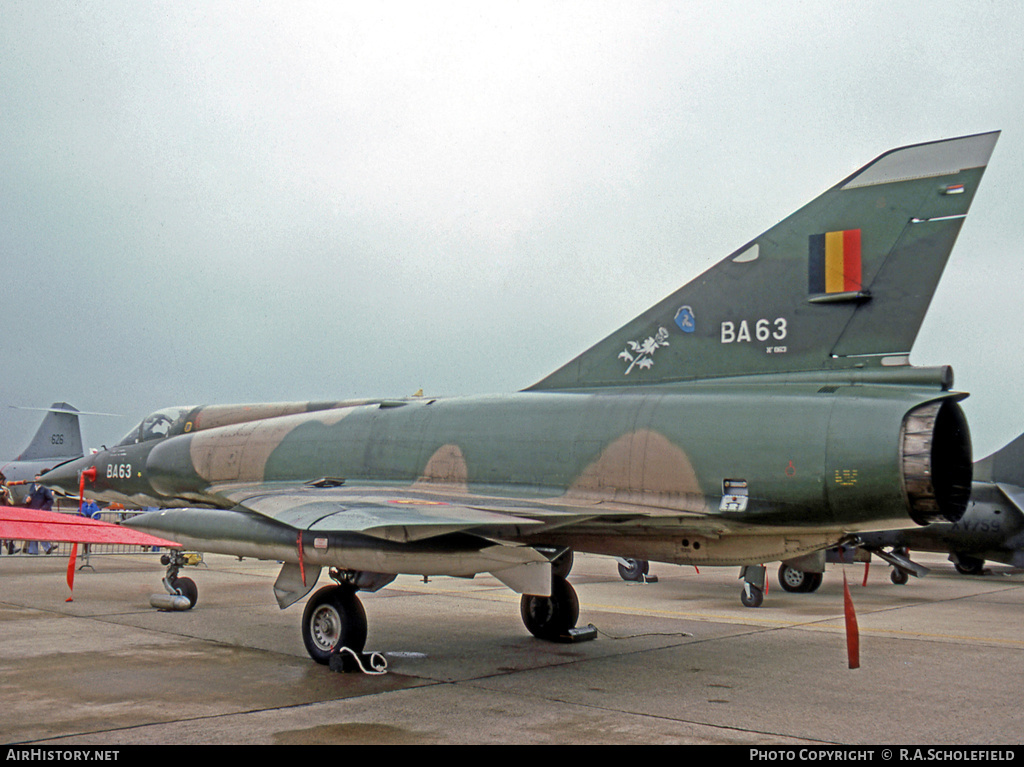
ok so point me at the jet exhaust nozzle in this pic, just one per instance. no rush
(935, 448)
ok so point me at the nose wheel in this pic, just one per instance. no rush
(177, 585)
(187, 588)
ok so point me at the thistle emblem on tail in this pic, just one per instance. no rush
(639, 354)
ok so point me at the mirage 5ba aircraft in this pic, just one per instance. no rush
(763, 411)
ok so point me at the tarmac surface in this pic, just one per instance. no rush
(679, 661)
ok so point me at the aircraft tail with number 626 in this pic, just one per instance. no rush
(58, 439)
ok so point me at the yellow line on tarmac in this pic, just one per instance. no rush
(819, 624)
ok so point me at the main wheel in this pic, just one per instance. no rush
(562, 565)
(551, 617)
(966, 565)
(187, 588)
(334, 617)
(899, 577)
(797, 581)
(814, 582)
(634, 569)
(793, 580)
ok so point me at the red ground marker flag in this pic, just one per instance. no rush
(852, 632)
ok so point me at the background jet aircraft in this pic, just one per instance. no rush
(992, 528)
(57, 440)
(763, 411)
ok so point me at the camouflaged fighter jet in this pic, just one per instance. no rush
(763, 411)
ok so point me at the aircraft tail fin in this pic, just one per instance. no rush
(842, 283)
(59, 435)
(1005, 465)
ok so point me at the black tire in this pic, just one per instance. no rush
(813, 582)
(562, 565)
(798, 581)
(187, 588)
(634, 569)
(899, 577)
(966, 565)
(334, 617)
(756, 596)
(551, 617)
(793, 580)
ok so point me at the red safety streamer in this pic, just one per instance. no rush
(71, 571)
(302, 566)
(852, 632)
(88, 474)
(867, 566)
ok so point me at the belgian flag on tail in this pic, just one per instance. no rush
(834, 265)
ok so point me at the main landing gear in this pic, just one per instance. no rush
(334, 627)
(553, 617)
(967, 565)
(334, 618)
(798, 581)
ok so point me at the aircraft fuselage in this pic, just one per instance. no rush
(800, 456)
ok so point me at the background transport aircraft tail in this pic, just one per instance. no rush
(843, 283)
(58, 436)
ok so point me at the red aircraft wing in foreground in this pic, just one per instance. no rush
(17, 523)
(23, 524)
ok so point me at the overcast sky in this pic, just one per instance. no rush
(207, 202)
